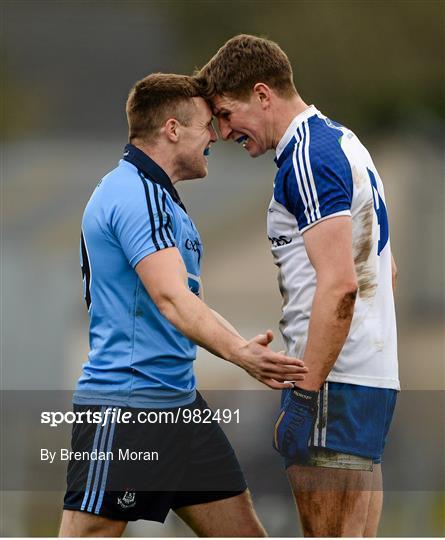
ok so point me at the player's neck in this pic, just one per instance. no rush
(160, 156)
(286, 110)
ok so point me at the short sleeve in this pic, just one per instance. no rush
(142, 220)
(317, 182)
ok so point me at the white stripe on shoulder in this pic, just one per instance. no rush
(301, 162)
(309, 169)
(297, 176)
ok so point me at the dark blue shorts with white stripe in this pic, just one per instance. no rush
(353, 419)
(130, 471)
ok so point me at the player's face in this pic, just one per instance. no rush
(244, 122)
(196, 138)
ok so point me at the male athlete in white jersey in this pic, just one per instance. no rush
(328, 228)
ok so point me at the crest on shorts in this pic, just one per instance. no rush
(128, 500)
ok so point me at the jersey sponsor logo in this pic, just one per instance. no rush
(280, 241)
(128, 500)
(194, 245)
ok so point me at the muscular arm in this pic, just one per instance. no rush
(226, 324)
(165, 278)
(329, 247)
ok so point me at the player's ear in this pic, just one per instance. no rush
(263, 93)
(171, 129)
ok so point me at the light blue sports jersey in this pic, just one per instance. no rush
(137, 358)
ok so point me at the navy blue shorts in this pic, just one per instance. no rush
(353, 419)
(146, 469)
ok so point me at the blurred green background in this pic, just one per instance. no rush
(66, 69)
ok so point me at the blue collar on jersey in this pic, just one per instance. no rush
(151, 170)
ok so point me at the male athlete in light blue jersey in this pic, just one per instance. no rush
(328, 227)
(126, 327)
(140, 257)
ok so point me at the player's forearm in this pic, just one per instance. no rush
(199, 323)
(331, 316)
(226, 324)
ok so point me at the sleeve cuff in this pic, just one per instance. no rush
(335, 214)
(145, 252)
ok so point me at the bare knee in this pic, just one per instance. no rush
(252, 526)
(252, 529)
(330, 514)
(231, 517)
(82, 524)
(331, 502)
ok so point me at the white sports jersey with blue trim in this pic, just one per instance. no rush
(324, 171)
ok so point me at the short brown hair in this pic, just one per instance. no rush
(156, 98)
(242, 62)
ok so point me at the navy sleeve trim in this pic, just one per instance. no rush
(150, 211)
(161, 235)
(169, 228)
(160, 214)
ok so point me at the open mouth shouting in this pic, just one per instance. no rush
(243, 140)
